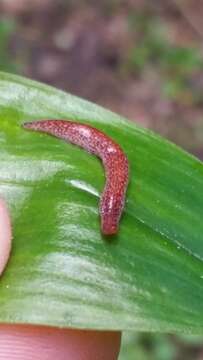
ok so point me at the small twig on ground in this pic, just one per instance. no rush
(187, 15)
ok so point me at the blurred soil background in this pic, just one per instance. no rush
(140, 58)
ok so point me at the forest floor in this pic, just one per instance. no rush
(143, 60)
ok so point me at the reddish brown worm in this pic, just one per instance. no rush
(114, 160)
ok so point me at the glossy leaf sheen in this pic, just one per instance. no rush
(62, 272)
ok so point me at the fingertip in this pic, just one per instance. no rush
(5, 235)
(49, 343)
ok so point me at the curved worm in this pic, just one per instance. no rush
(5, 235)
(114, 160)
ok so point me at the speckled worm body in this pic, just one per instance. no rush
(114, 160)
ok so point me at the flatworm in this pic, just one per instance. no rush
(114, 160)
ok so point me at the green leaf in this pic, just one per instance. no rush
(61, 271)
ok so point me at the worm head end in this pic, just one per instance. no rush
(30, 125)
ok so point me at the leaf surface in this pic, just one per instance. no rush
(61, 271)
